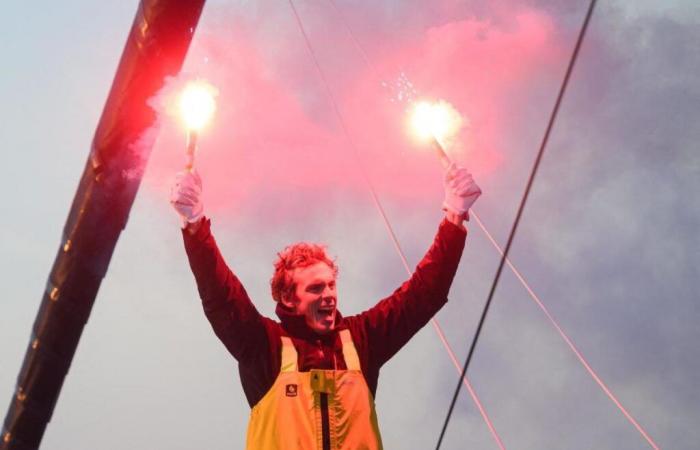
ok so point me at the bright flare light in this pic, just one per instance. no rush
(197, 104)
(439, 120)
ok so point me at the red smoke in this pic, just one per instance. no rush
(274, 144)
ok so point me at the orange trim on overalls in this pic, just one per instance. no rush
(302, 407)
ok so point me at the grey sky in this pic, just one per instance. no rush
(609, 238)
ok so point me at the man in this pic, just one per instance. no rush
(311, 378)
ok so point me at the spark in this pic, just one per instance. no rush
(401, 90)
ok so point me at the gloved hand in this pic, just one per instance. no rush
(186, 196)
(460, 191)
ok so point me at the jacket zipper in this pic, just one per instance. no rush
(325, 425)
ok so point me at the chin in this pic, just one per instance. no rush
(323, 329)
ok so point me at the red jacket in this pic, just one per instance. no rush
(377, 333)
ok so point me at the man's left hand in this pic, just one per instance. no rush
(460, 192)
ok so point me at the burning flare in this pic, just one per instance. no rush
(439, 120)
(197, 104)
(197, 107)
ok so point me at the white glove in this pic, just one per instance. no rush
(460, 190)
(186, 196)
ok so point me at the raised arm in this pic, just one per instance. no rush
(394, 320)
(226, 304)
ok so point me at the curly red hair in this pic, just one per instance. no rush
(301, 254)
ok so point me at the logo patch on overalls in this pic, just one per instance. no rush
(291, 390)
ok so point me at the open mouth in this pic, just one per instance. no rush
(326, 312)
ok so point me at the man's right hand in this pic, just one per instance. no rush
(186, 196)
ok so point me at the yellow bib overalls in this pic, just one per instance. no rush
(316, 410)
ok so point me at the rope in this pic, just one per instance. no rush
(569, 342)
(567, 339)
(521, 208)
(387, 224)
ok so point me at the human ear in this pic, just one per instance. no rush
(287, 301)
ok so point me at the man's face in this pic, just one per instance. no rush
(316, 297)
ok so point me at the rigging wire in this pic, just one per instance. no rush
(518, 215)
(387, 224)
(569, 342)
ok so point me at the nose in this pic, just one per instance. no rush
(328, 292)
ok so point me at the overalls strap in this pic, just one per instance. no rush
(352, 361)
(289, 356)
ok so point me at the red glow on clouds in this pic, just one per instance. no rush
(275, 145)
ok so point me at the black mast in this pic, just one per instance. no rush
(156, 47)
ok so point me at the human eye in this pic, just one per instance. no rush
(315, 288)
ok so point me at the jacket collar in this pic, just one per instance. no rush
(295, 324)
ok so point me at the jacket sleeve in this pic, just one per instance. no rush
(232, 315)
(391, 323)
